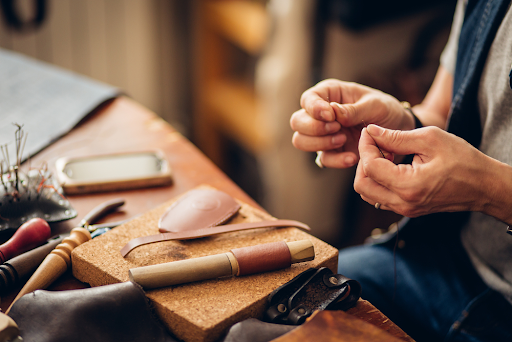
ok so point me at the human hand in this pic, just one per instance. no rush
(447, 173)
(333, 114)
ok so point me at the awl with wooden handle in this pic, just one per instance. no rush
(237, 262)
(59, 260)
(55, 263)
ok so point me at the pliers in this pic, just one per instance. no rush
(98, 212)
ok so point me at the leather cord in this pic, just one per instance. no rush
(203, 232)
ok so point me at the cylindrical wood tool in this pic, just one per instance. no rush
(55, 263)
(239, 261)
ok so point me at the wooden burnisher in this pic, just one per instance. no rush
(239, 261)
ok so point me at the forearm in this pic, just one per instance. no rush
(434, 109)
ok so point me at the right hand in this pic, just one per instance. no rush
(332, 115)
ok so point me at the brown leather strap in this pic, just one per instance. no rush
(203, 232)
(262, 258)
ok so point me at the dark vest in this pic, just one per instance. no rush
(481, 22)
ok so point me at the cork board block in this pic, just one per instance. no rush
(201, 311)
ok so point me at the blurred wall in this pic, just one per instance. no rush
(379, 56)
(139, 46)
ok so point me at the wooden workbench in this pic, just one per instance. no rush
(124, 125)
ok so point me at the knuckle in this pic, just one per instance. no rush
(351, 110)
(318, 129)
(430, 135)
(396, 137)
(327, 82)
(357, 187)
(409, 195)
(292, 122)
(296, 140)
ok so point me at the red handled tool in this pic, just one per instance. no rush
(31, 234)
(59, 260)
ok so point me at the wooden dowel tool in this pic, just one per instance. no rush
(59, 260)
(55, 263)
(239, 261)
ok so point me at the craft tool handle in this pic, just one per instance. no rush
(17, 270)
(101, 210)
(29, 235)
(9, 330)
(55, 263)
(240, 261)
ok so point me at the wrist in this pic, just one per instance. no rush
(416, 123)
(412, 122)
(499, 200)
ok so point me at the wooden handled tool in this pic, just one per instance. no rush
(9, 331)
(58, 261)
(18, 270)
(239, 261)
(29, 235)
(55, 263)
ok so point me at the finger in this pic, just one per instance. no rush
(380, 170)
(338, 159)
(373, 203)
(366, 109)
(323, 143)
(368, 149)
(316, 99)
(372, 192)
(303, 123)
(402, 142)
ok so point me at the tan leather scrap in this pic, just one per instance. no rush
(209, 231)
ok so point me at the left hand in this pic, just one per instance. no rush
(447, 173)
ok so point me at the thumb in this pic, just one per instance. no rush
(396, 141)
(350, 114)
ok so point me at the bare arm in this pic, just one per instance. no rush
(434, 109)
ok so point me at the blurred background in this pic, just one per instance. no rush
(228, 74)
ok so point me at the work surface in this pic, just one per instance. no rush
(123, 125)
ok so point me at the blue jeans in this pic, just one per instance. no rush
(438, 295)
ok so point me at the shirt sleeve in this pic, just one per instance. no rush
(449, 54)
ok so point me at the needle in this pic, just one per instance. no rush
(382, 154)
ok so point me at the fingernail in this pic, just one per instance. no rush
(349, 160)
(375, 130)
(326, 115)
(338, 139)
(332, 127)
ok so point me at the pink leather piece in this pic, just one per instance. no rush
(199, 208)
